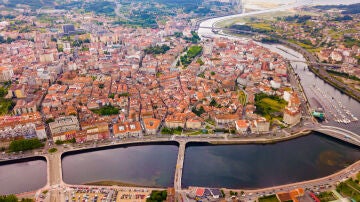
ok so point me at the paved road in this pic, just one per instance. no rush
(179, 165)
(315, 185)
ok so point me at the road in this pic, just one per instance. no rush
(179, 165)
(315, 185)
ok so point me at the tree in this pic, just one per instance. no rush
(9, 198)
(111, 95)
(157, 196)
(155, 50)
(3, 91)
(13, 198)
(49, 120)
(26, 144)
(213, 102)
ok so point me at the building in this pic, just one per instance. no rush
(63, 136)
(151, 125)
(178, 120)
(25, 126)
(293, 195)
(64, 124)
(226, 118)
(5, 74)
(22, 107)
(292, 115)
(242, 126)
(68, 29)
(17, 91)
(260, 125)
(123, 130)
(46, 58)
(98, 131)
(194, 123)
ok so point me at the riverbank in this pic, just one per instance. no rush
(22, 160)
(116, 183)
(262, 141)
(325, 77)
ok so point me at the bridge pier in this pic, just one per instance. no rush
(179, 165)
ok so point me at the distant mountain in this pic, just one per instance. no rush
(346, 9)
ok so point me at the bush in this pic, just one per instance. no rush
(52, 150)
(13, 198)
(59, 142)
(157, 196)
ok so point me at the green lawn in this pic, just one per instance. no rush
(242, 98)
(349, 188)
(192, 52)
(261, 26)
(171, 131)
(271, 198)
(269, 106)
(326, 196)
(106, 110)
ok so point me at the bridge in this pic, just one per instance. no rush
(339, 133)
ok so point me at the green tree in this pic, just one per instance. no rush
(9, 198)
(3, 91)
(26, 144)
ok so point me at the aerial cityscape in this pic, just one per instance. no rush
(179, 100)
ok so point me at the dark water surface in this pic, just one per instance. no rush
(151, 165)
(22, 177)
(257, 166)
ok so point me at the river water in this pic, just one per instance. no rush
(259, 166)
(22, 177)
(150, 165)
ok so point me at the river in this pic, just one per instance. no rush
(22, 177)
(150, 165)
(259, 166)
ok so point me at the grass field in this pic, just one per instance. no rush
(326, 196)
(261, 26)
(271, 198)
(242, 97)
(349, 188)
(269, 106)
